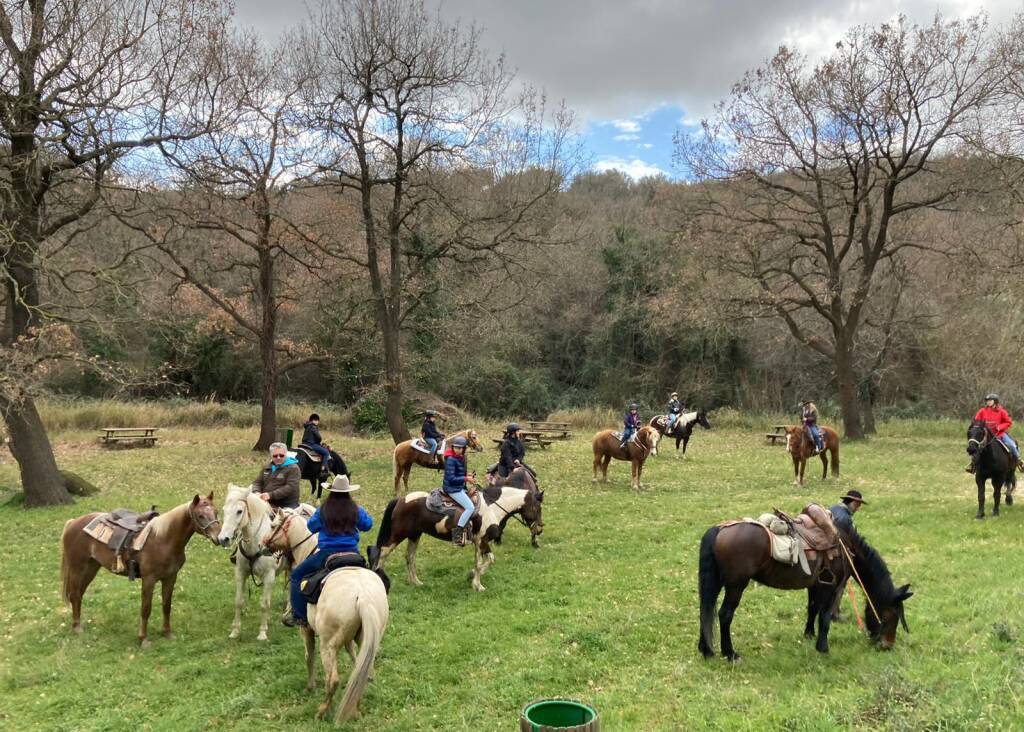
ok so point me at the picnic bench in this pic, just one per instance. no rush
(531, 437)
(778, 434)
(144, 435)
(549, 430)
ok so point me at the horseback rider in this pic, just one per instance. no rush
(278, 482)
(337, 524)
(809, 414)
(631, 424)
(311, 438)
(997, 419)
(431, 435)
(455, 481)
(675, 408)
(513, 450)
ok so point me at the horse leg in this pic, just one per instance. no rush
(479, 565)
(981, 496)
(633, 475)
(733, 594)
(166, 593)
(410, 560)
(265, 601)
(639, 473)
(824, 465)
(236, 625)
(803, 469)
(997, 487)
(77, 588)
(604, 467)
(309, 643)
(148, 583)
(824, 618)
(686, 441)
(812, 611)
(597, 463)
(329, 660)
(796, 470)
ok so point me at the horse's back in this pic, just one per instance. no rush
(344, 591)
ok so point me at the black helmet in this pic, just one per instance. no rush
(460, 441)
(633, 406)
(512, 427)
(313, 416)
(430, 413)
(994, 397)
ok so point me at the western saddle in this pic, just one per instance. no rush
(122, 531)
(815, 528)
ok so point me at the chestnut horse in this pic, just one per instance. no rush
(607, 446)
(406, 456)
(800, 446)
(160, 559)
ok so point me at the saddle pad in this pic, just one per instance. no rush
(439, 502)
(419, 445)
(311, 454)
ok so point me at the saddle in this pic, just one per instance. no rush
(124, 532)
(798, 539)
(309, 452)
(420, 446)
(313, 585)
(440, 502)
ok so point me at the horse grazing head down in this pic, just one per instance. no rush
(702, 419)
(883, 629)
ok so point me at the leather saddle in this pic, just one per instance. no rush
(440, 502)
(122, 531)
(815, 528)
(308, 452)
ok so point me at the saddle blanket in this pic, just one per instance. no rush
(786, 548)
(439, 502)
(419, 445)
(308, 452)
(618, 436)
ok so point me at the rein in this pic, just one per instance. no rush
(860, 582)
(513, 514)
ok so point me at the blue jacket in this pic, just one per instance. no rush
(632, 421)
(454, 472)
(841, 516)
(339, 542)
(430, 430)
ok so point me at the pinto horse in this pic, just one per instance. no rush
(800, 446)
(408, 518)
(607, 446)
(406, 456)
(316, 472)
(681, 429)
(993, 462)
(160, 558)
(731, 556)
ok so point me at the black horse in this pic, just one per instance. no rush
(991, 461)
(316, 472)
(682, 429)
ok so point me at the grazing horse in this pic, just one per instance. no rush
(353, 606)
(408, 518)
(247, 519)
(160, 558)
(731, 556)
(316, 472)
(406, 456)
(992, 462)
(800, 446)
(681, 430)
(607, 446)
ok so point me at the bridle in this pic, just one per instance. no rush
(284, 527)
(202, 528)
(983, 443)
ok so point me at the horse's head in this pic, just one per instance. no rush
(276, 539)
(883, 628)
(978, 436)
(532, 513)
(647, 437)
(204, 517)
(794, 436)
(702, 419)
(474, 440)
(235, 514)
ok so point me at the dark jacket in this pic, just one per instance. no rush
(282, 484)
(430, 430)
(675, 407)
(311, 434)
(512, 449)
(632, 421)
(841, 516)
(332, 543)
(810, 414)
(454, 472)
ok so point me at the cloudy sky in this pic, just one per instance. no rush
(638, 70)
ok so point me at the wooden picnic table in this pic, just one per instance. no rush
(549, 430)
(778, 434)
(531, 438)
(146, 435)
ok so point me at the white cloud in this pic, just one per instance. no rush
(626, 137)
(626, 125)
(634, 168)
(646, 145)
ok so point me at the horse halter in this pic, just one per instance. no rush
(195, 521)
(284, 526)
(983, 443)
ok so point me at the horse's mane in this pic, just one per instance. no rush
(688, 417)
(872, 568)
(162, 523)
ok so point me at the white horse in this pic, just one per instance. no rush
(353, 606)
(247, 519)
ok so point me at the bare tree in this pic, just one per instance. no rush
(421, 130)
(83, 85)
(808, 170)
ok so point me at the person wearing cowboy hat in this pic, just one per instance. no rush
(842, 517)
(631, 424)
(675, 408)
(809, 415)
(337, 524)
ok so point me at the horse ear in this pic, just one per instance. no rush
(210, 497)
(903, 594)
(540, 496)
(195, 500)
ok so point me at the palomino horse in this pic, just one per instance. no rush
(681, 429)
(247, 519)
(406, 456)
(408, 518)
(607, 446)
(732, 556)
(160, 559)
(992, 462)
(800, 446)
(353, 606)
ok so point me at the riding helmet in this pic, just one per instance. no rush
(634, 405)
(993, 397)
(313, 416)
(460, 441)
(430, 413)
(512, 428)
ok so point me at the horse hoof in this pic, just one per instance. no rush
(169, 634)
(1009, 500)
(321, 712)
(311, 686)
(144, 643)
(980, 515)
(233, 634)
(734, 658)
(995, 511)
(262, 637)
(76, 629)
(819, 649)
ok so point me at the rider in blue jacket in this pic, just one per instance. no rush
(631, 423)
(455, 481)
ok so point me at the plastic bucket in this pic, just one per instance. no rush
(558, 714)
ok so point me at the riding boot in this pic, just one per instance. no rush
(459, 536)
(372, 556)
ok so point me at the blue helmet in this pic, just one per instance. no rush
(460, 441)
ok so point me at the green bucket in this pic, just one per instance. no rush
(558, 714)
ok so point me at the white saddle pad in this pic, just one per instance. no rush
(421, 446)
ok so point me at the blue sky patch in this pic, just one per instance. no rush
(639, 146)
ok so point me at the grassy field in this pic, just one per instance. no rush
(605, 611)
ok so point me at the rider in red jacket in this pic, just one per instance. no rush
(998, 420)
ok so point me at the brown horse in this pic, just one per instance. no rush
(160, 559)
(607, 446)
(406, 456)
(800, 446)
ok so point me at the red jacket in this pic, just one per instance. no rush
(997, 419)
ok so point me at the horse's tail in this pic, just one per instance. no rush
(709, 584)
(65, 564)
(384, 534)
(372, 630)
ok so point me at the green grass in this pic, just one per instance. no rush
(604, 611)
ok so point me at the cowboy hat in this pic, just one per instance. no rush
(853, 496)
(341, 485)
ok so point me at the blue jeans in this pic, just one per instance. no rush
(322, 451)
(461, 498)
(816, 436)
(672, 421)
(313, 562)
(627, 435)
(432, 442)
(1008, 441)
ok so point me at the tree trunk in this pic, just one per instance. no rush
(849, 401)
(867, 405)
(268, 402)
(40, 479)
(393, 380)
(268, 356)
